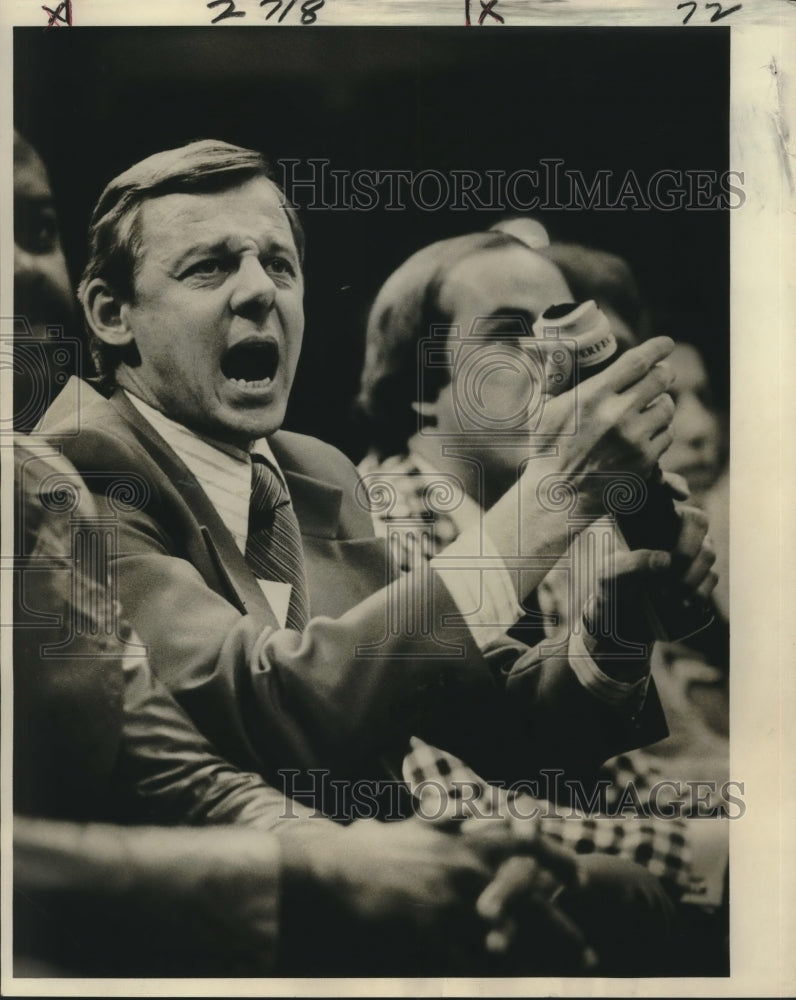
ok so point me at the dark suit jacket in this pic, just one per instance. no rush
(96, 736)
(351, 688)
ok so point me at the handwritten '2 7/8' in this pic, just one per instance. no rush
(307, 12)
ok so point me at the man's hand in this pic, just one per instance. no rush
(612, 424)
(644, 580)
(620, 420)
(694, 556)
(382, 899)
(408, 898)
(525, 928)
(524, 932)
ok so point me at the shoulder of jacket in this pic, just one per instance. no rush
(310, 456)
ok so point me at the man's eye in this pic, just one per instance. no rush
(207, 268)
(36, 231)
(280, 265)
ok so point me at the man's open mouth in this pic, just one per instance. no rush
(252, 364)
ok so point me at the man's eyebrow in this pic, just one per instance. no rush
(276, 244)
(199, 249)
(225, 245)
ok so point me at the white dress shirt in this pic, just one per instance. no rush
(225, 474)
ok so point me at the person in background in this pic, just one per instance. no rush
(46, 351)
(428, 464)
(698, 454)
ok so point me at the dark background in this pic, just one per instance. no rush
(94, 100)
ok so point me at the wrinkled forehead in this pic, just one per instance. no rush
(176, 220)
(502, 279)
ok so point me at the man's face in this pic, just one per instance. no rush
(43, 357)
(695, 451)
(217, 315)
(494, 380)
(42, 293)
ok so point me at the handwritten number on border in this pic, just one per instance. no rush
(717, 15)
(308, 10)
(229, 12)
(689, 15)
(721, 13)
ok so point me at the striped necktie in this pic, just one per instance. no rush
(273, 547)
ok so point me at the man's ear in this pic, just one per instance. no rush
(106, 313)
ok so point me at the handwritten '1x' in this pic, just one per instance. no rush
(486, 8)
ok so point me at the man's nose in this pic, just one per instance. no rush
(254, 287)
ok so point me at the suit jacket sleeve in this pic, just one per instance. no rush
(101, 900)
(350, 687)
(271, 699)
(168, 773)
(535, 721)
(354, 687)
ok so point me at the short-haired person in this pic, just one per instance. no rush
(481, 293)
(193, 294)
(488, 289)
(99, 743)
(479, 296)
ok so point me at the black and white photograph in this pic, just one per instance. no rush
(370, 396)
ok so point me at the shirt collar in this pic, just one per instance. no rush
(222, 470)
(174, 431)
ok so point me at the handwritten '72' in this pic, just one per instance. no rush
(717, 15)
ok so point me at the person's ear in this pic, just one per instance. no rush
(106, 314)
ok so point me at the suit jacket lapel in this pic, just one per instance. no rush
(225, 555)
(316, 503)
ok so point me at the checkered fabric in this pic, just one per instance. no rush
(657, 844)
(415, 501)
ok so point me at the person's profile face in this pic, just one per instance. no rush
(43, 357)
(217, 315)
(695, 451)
(493, 298)
(42, 292)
